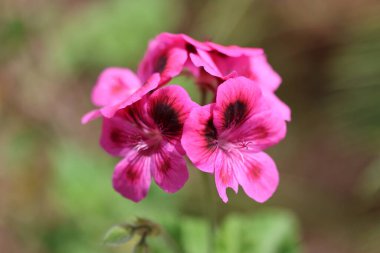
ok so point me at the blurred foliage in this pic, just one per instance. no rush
(112, 33)
(355, 72)
(369, 184)
(13, 35)
(195, 235)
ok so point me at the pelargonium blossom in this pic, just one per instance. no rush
(226, 62)
(231, 61)
(167, 55)
(147, 135)
(152, 127)
(228, 137)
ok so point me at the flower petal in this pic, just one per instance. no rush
(90, 116)
(248, 62)
(235, 51)
(195, 43)
(114, 84)
(131, 177)
(169, 169)
(203, 59)
(258, 176)
(199, 138)
(232, 66)
(259, 132)
(277, 105)
(237, 100)
(165, 55)
(119, 135)
(169, 107)
(263, 73)
(150, 85)
(224, 175)
(175, 60)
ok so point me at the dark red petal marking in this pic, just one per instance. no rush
(160, 64)
(254, 173)
(132, 175)
(165, 167)
(163, 163)
(190, 48)
(132, 172)
(118, 137)
(210, 133)
(261, 132)
(133, 114)
(224, 176)
(235, 113)
(166, 118)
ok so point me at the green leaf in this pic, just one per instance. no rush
(118, 235)
(229, 234)
(268, 231)
(195, 235)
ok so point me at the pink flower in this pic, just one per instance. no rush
(234, 61)
(227, 138)
(117, 88)
(229, 61)
(167, 55)
(147, 134)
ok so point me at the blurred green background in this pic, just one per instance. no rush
(55, 181)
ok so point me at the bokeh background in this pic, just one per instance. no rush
(55, 181)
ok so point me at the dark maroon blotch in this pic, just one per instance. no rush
(190, 48)
(118, 137)
(210, 133)
(235, 114)
(160, 64)
(132, 174)
(164, 166)
(167, 119)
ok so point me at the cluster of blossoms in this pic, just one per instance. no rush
(152, 126)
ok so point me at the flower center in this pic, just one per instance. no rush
(150, 142)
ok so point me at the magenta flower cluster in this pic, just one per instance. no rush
(153, 126)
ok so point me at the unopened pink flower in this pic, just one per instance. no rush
(117, 88)
(147, 134)
(227, 138)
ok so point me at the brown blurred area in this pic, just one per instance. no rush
(327, 52)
